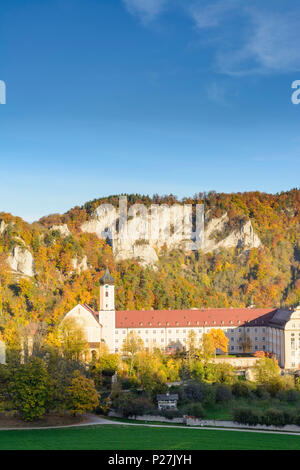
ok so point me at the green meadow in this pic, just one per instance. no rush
(122, 437)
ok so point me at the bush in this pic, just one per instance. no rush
(129, 382)
(289, 417)
(129, 405)
(292, 396)
(194, 409)
(262, 392)
(192, 392)
(241, 389)
(247, 416)
(273, 417)
(223, 393)
(170, 414)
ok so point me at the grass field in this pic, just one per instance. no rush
(113, 437)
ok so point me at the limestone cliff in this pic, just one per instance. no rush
(21, 261)
(147, 236)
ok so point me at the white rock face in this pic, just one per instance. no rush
(147, 233)
(2, 353)
(3, 226)
(245, 237)
(21, 261)
(63, 229)
(146, 254)
(81, 266)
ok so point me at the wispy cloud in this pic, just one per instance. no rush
(268, 41)
(245, 37)
(211, 14)
(146, 10)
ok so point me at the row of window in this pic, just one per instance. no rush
(239, 348)
(184, 331)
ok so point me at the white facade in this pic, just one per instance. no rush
(280, 335)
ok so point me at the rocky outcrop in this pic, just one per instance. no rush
(21, 261)
(244, 237)
(3, 226)
(80, 266)
(63, 229)
(147, 234)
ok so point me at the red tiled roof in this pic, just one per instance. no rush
(210, 317)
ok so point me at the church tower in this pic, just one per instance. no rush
(107, 310)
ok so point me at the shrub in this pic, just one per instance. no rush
(129, 382)
(297, 420)
(292, 396)
(223, 393)
(192, 392)
(170, 414)
(262, 392)
(129, 405)
(289, 417)
(247, 416)
(194, 409)
(273, 417)
(241, 389)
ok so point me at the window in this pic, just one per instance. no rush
(117, 340)
(263, 338)
(231, 339)
(124, 332)
(106, 294)
(264, 330)
(154, 332)
(264, 347)
(255, 329)
(248, 329)
(117, 332)
(256, 348)
(177, 331)
(232, 348)
(256, 338)
(240, 329)
(232, 331)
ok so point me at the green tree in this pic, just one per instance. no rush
(81, 395)
(132, 345)
(73, 342)
(266, 370)
(30, 389)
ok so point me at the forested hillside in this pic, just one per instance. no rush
(67, 266)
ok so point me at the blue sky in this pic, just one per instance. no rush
(149, 96)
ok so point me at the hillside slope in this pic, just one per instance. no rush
(251, 255)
